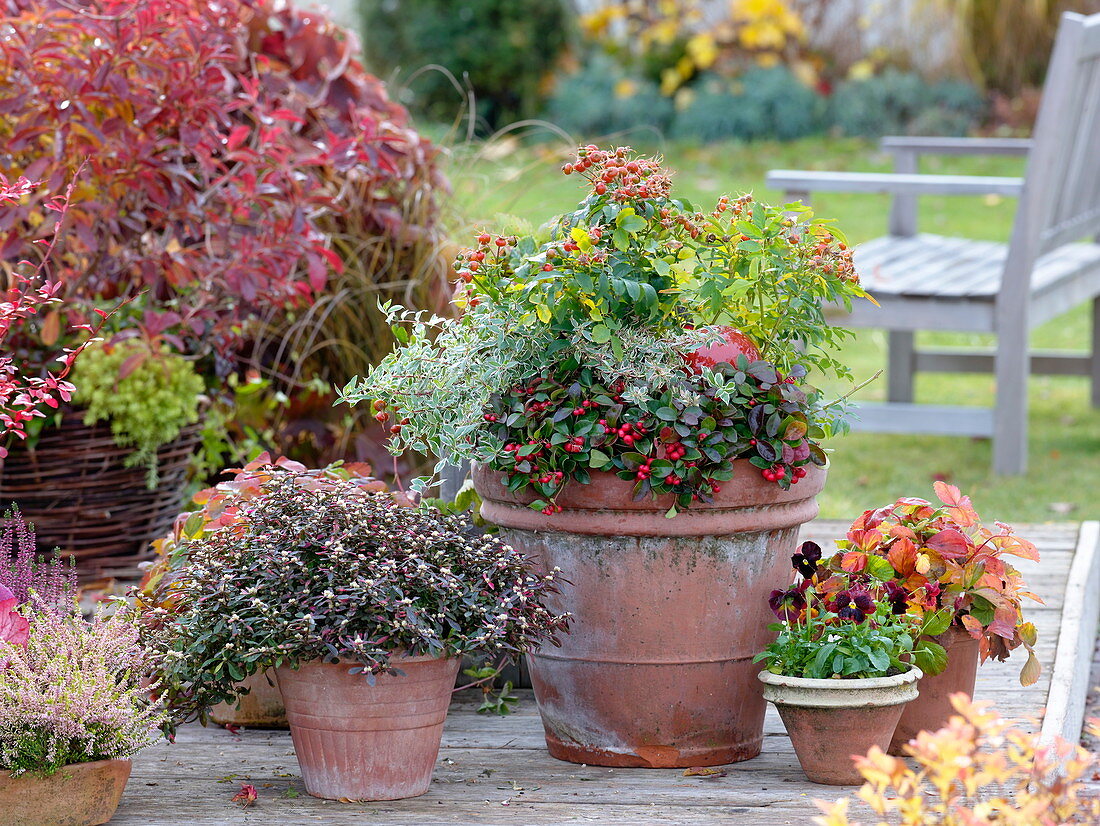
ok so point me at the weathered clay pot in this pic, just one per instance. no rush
(356, 741)
(933, 708)
(829, 721)
(657, 668)
(261, 707)
(82, 794)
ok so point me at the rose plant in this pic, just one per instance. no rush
(941, 560)
(316, 569)
(577, 348)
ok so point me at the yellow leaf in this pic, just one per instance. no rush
(51, 328)
(544, 313)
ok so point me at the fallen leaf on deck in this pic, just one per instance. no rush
(704, 771)
(246, 796)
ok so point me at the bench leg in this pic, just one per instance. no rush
(1012, 367)
(1094, 360)
(900, 360)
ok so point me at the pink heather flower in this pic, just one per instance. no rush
(23, 570)
(73, 693)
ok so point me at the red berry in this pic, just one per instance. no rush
(628, 439)
(567, 169)
(547, 267)
(381, 416)
(483, 238)
(715, 487)
(601, 188)
(395, 429)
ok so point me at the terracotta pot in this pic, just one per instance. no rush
(82, 794)
(261, 707)
(657, 668)
(829, 721)
(356, 741)
(933, 709)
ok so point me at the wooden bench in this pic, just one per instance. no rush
(932, 282)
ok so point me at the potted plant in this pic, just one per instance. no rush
(944, 561)
(636, 360)
(73, 707)
(840, 670)
(362, 607)
(258, 703)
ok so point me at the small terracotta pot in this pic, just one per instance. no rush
(657, 670)
(933, 708)
(261, 707)
(81, 794)
(830, 721)
(356, 741)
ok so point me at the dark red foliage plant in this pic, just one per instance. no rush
(206, 160)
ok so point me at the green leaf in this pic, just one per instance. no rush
(598, 459)
(938, 622)
(601, 334)
(668, 414)
(879, 568)
(930, 657)
(621, 239)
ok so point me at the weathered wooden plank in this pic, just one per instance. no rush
(980, 360)
(892, 183)
(1077, 638)
(956, 146)
(923, 418)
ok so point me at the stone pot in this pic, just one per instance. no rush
(81, 794)
(830, 721)
(933, 708)
(261, 707)
(668, 613)
(355, 741)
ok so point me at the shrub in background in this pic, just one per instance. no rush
(978, 770)
(602, 99)
(896, 102)
(381, 183)
(760, 104)
(503, 49)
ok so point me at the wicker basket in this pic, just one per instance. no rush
(75, 489)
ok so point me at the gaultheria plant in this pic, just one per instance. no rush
(73, 693)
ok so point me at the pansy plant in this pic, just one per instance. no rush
(843, 626)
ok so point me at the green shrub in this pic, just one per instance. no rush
(504, 50)
(591, 102)
(146, 395)
(762, 103)
(905, 103)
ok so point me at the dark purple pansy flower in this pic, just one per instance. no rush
(854, 605)
(806, 559)
(898, 598)
(788, 605)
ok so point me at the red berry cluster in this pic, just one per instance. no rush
(619, 175)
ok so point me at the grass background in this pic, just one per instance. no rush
(507, 177)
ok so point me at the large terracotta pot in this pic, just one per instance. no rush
(933, 708)
(657, 668)
(829, 721)
(82, 794)
(261, 707)
(356, 741)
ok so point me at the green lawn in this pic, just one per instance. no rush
(867, 469)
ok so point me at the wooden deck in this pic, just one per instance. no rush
(496, 771)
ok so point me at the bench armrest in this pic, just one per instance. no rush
(892, 183)
(896, 144)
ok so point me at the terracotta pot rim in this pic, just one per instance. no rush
(396, 658)
(842, 684)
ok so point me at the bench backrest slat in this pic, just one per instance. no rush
(1061, 198)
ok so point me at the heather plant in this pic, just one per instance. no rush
(25, 574)
(73, 693)
(941, 560)
(330, 571)
(577, 349)
(978, 770)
